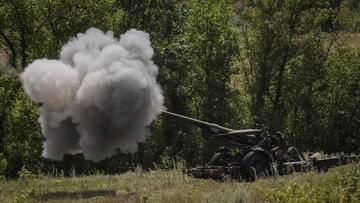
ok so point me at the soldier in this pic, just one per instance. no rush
(278, 147)
(314, 156)
(282, 152)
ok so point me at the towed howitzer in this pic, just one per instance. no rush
(257, 154)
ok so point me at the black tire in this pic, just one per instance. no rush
(256, 164)
(216, 159)
(220, 159)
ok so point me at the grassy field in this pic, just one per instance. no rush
(340, 184)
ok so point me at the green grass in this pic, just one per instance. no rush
(340, 184)
(153, 186)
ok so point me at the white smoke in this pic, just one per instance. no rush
(98, 97)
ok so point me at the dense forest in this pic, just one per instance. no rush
(291, 65)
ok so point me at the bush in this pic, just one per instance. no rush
(339, 185)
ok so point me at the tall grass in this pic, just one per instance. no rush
(341, 184)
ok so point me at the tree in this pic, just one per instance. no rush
(341, 99)
(349, 16)
(289, 71)
(20, 137)
(281, 38)
(33, 29)
(9, 88)
(213, 46)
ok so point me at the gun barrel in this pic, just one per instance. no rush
(213, 128)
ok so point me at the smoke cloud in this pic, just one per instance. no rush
(99, 96)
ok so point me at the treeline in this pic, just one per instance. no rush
(286, 64)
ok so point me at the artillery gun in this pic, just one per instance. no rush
(256, 153)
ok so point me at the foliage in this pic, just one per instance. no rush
(213, 44)
(349, 15)
(25, 175)
(285, 62)
(33, 29)
(340, 185)
(21, 138)
(341, 99)
(278, 37)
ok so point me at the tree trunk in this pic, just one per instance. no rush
(23, 49)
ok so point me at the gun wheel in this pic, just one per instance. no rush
(220, 159)
(216, 159)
